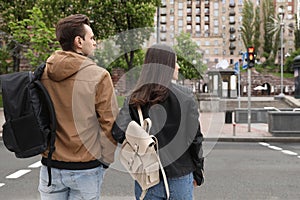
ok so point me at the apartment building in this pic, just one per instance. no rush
(215, 25)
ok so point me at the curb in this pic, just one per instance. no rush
(254, 139)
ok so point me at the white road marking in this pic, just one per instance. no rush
(2, 184)
(289, 152)
(35, 165)
(18, 174)
(264, 144)
(275, 148)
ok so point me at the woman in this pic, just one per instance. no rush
(175, 123)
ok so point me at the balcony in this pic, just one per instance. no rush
(232, 46)
(231, 30)
(231, 5)
(231, 21)
(232, 13)
(232, 38)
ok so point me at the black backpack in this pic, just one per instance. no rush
(30, 118)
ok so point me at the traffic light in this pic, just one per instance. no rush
(251, 57)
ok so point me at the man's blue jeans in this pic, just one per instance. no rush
(71, 184)
(181, 188)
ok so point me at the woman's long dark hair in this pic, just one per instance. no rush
(155, 77)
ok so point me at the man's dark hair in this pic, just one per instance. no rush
(70, 27)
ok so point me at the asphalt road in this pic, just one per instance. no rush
(234, 171)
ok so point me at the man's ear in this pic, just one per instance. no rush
(78, 42)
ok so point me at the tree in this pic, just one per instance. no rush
(248, 28)
(288, 67)
(189, 57)
(297, 33)
(130, 21)
(40, 40)
(268, 11)
(257, 32)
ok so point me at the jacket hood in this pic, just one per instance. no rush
(63, 64)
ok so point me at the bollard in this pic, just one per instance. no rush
(233, 128)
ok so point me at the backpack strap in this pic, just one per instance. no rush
(147, 124)
(37, 76)
(39, 72)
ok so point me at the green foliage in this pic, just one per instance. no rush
(34, 33)
(248, 28)
(130, 21)
(188, 57)
(297, 33)
(5, 60)
(288, 67)
(268, 19)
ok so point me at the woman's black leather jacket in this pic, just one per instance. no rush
(175, 123)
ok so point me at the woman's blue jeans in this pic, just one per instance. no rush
(181, 188)
(71, 184)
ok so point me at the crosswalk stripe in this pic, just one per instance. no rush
(289, 152)
(35, 165)
(18, 174)
(2, 184)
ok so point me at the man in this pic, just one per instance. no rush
(86, 107)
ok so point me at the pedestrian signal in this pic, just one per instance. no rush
(251, 57)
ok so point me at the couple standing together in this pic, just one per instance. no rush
(90, 125)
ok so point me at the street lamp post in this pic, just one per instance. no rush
(281, 15)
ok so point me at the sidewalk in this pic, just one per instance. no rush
(214, 128)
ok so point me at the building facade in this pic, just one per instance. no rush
(215, 25)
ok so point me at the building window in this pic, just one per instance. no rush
(171, 1)
(171, 18)
(197, 19)
(216, 22)
(216, 51)
(206, 28)
(180, 5)
(189, 19)
(206, 19)
(197, 28)
(180, 22)
(216, 13)
(216, 5)
(216, 30)
(180, 13)
(207, 43)
(189, 27)
(171, 11)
